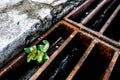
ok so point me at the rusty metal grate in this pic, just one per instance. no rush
(77, 51)
(59, 35)
(101, 21)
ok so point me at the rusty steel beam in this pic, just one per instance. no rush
(108, 71)
(14, 63)
(105, 26)
(80, 9)
(80, 62)
(94, 12)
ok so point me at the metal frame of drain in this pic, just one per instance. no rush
(81, 24)
(86, 40)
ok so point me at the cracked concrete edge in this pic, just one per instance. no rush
(14, 47)
(42, 23)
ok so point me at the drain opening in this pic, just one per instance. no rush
(99, 19)
(16, 73)
(59, 35)
(113, 30)
(116, 71)
(96, 63)
(81, 15)
(67, 59)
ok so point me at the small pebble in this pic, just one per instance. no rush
(56, 46)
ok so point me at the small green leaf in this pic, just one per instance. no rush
(47, 44)
(32, 54)
(46, 57)
(30, 57)
(40, 47)
(39, 56)
(44, 47)
(33, 49)
(27, 50)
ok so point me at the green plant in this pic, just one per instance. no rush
(39, 54)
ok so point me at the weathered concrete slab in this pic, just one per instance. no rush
(25, 20)
(8, 3)
(14, 29)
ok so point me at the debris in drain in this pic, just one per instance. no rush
(62, 69)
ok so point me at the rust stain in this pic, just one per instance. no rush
(108, 71)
